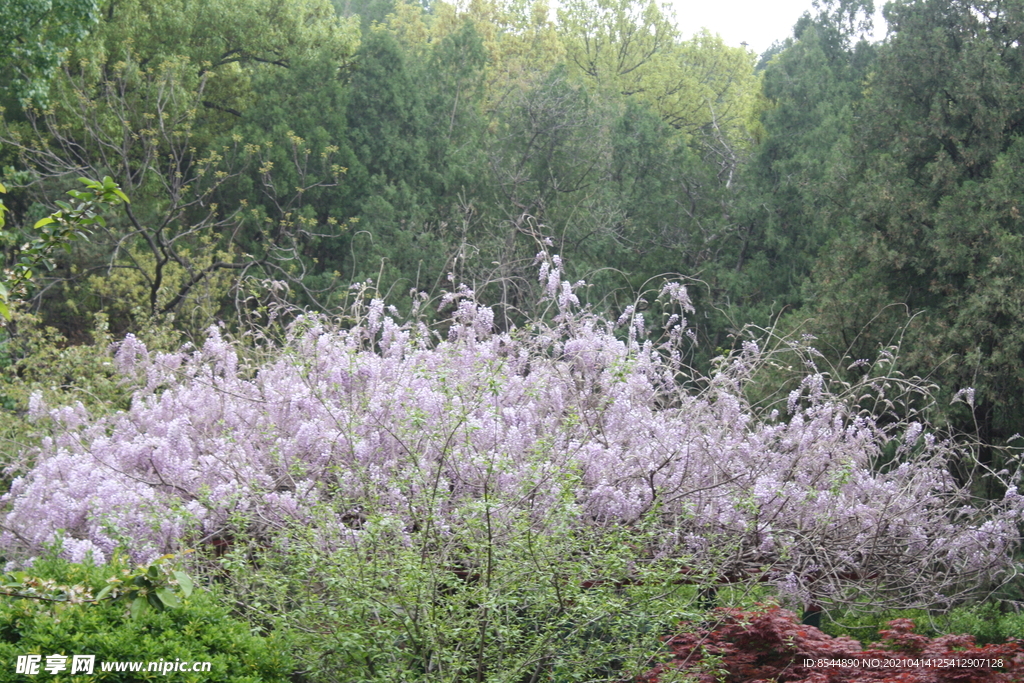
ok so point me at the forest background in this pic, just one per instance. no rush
(274, 152)
(860, 193)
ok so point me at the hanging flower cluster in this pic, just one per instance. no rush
(385, 419)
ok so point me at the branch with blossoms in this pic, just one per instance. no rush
(562, 425)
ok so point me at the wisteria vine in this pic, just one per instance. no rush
(388, 420)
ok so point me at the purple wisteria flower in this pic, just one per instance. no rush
(385, 419)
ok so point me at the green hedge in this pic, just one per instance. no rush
(988, 622)
(200, 630)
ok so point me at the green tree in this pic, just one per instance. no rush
(520, 41)
(935, 219)
(390, 175)
(158, 100)
(368, 11)
(795, 195)
(699, 86)
(35, 37)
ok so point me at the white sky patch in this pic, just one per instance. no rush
(756, 23)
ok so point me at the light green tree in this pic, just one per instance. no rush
(59, 230)
(519, 39)
(35, 36)
(700, 86)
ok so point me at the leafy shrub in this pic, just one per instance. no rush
(434, 434)
(771, 645)
(475, 606)
(470, 504)
(986, 622)
(199, 630)
(37, 358)
(867, 625)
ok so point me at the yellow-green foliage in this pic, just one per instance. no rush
(521, 41)
(222, 33)
(124, 291)
(632, 48)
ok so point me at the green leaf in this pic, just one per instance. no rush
(168, 598)
(185, 581)
(4, 310)
(2, 188)
(139, 607)
(43, 221)
(105, 591)
(122, 195)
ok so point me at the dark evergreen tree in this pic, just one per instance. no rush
(390, 174)
(935, 216)
(452, 83)
(794, 197)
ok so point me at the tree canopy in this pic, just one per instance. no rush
(35, 37)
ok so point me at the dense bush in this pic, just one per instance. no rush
(992, 621)
(771, 645)
(469, 504)
(381, 420)
(200, 630)
(469, 609)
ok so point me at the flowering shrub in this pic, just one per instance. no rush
(479, 435)
(771, 645)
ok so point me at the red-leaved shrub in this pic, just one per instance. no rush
(771, 646)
